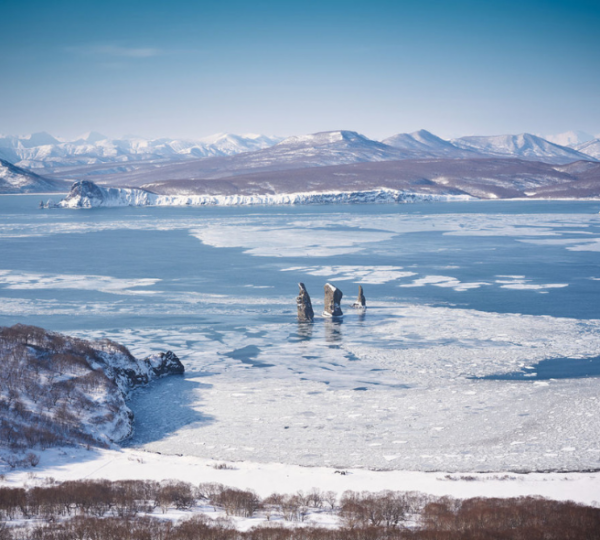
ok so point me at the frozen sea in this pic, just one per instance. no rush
(479, 351)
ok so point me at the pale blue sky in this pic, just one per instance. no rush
(189, 69)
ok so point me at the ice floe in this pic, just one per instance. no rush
(13, 279)
(444, 281)
(284, 241)
(520, 283)
(372, 275)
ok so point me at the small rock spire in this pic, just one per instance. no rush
(305, 310)
(361, 302)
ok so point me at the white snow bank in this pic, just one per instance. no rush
(266, 478)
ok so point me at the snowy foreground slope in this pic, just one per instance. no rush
(57, 390)
(86, 194)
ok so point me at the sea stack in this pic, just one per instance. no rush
(360, 303)
(305, 310)
(333, 298)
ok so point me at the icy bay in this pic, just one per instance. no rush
(456, 292)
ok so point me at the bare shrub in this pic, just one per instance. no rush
(209, 491)
(175, 494)
(223, 467)
(32, 458)
(330, 497)
(238, 502)
(386, 508)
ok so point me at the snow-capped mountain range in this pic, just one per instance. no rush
(45, 152)
(326, 149)
(525, 146)
(136, 162)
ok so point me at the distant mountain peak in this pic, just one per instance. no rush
(424, 133)
(570, 138)
(326, 137)
(210, 139)
(245, 138)
(522, 145)
(590, 148)
(427, 144)
(92, 137)
(41, 138)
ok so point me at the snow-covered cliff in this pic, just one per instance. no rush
(86, 194)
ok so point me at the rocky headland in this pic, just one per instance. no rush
(60, 390)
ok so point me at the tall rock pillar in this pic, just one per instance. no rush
(333, 298)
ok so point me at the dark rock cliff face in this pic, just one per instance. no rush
(333, 299)
(85, 188)
(168, 364)
(129, 373)
(155, 367)
(305, 309)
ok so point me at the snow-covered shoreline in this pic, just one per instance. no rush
(89, 195)
(65, 464)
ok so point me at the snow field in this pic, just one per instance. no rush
(266, 478)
